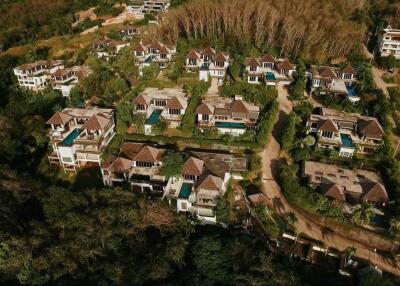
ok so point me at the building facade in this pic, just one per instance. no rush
(389, 42)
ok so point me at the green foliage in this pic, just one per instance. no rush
(160, 126)
(178, 68)
(298, 87)
(124, 64)
(373, 279)
(151, 72)
(234, 70)
(289, 132)
(388, 62)
(172, 165)
(106, 9)
(363, 214)
(138, 121)
(266, 121)
(257, 94)
(76, 97)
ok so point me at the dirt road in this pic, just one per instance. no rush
(330, 233)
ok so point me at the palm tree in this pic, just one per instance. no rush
(363, 214)
(394, 229)
(290, 220)
(333, 154)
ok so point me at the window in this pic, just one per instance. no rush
(192, 62)
(205, 117)
(327, 134)
(66, 159)
(314, 125)
(253, 78)
(163, 56)
(144, 164)
(340, 171)
(253, 68)
(344, 177)
(160, 102)
(317, 178)
(140, 107)
(174, 111)
(189, 177)
(319, 173)
(184, 206)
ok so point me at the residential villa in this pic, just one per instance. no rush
(209, 63)
(269, 70)
(137, 165)
(107, 48)
(204, 180)
(350, 133)
(231, 116)
(389, 42)
(169, 104)
(35, 76)
(155, 52)
(347, 187)
(128, 31)
(65, 79)
(334, 81)
(78, 136)
(140, 8)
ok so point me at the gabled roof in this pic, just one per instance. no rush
(335, 192)
(164, 50)
(371, 129)
(130, 149)
(327, 73)
(285, 65)
(349, 70)
(193, 167)
(376, 194)
(238, 106)
(267, 59)
(174, 103)
(211, 182)
(220, 57)
(140, 48)
(204, 108)
(128, 28)
(193, 54)
(59, 118)
(142, 99)
(156, 45)
(208, 51)
(252, 62)
(96, 122)
(61, 72)
(328, 126)
(148, 154)
(120, 165)
(258, 199)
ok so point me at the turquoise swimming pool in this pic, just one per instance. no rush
(154, 117)
(232, 125)
(185, 190)
(69, 140)
(270, 76)
(346, 140)
(351, 90)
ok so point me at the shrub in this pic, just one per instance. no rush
(289, 132)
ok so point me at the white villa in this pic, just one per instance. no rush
(231, 116)
(350, 133)
(209, 63)
(389, 42)
(140, 8)
(269, 70)
(78, 136)
(65, 79)
(168, 103)
(107, 48)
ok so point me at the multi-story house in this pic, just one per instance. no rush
(334, 81)
(155, 52)
(389, 42)
(128, 31)
(138, 166)
(231, 116)
(209, 63)
(345, 186)
(65, 79)
(35, 76)
(349, 133)
(140, 8)
(204, 180)
(78, 136)
(169, 104)
(269, 70)
(107, 48)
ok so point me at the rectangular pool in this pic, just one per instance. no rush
(69, 140)
(351, 90)
(154, 117)
(185, 191)
(231, 125)
(346, 140)
(270, 76)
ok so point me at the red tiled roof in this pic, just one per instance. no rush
(267, 59)
(120, 165)
(174, 103)
(148, 154)
(193, 167)
(371, 129)
(140, 48)
(335, 192)
(203, 108)
(285, 65)
(252, 62)
(211, 182)
(59, 118)
(327, 73)
(349, 70)
(376, 194)
(238, 107)
(328, 126)
(130, 149)
(220, 57)
(96, 122)
(142, 100)
(208, 51)
(193, 54)
(156, 45)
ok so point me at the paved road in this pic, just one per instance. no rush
(332, 234)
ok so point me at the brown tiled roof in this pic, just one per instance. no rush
(193, 54)
(376, 194)
(222, 111)
(371, 129)
(148, 154)
(107, 162)
(238, 107)
(140, 48)
(285, 65)
(252, 62)
(258, 199)
(156, 45)
(335, 192)
(60, 72)
(349, 70)
(59, 118)
(193, 166)
(120, 165)
(204, 108)
(128, 28)
(130, 149)
(174, 103)
(328, 126)
(142, 100)
(208, 51)
(164, 50)
(220, 57)
(327, 73)
(96, 122)
(267, 59)
(211, 182)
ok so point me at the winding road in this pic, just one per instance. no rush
(332, 234)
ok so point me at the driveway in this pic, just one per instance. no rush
(330, 233)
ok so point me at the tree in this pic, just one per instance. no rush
(309, 141)
(115, 89)
(124, 64)
(76, 97)
(289, 132)
(394, 229)
(299, 85)
(363, 214)
(160, 126)
(388, 62)
(172, 165)
(151, 72)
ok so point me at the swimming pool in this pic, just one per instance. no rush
(346, 140)
(351, 90)
(185, 190)
(270, 76)
(69, 140)
(231, 125)
(154, 117)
